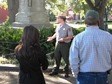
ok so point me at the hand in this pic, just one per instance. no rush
(61, 40)
(74, 75)
(49, 39)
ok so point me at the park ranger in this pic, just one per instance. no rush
(63, 35)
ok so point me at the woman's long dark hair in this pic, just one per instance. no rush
(29, 43)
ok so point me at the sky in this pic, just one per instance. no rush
(1, 0)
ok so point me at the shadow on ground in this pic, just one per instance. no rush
(8, 77)
(60, 79)
(12, 78)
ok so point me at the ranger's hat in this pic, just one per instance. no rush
(92, 16)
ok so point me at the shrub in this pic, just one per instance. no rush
(51, 16)
(110, 30)
(9, 38)
(47, 47)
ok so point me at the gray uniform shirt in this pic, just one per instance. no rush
(63, 32)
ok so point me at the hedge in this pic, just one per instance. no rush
(9, 38)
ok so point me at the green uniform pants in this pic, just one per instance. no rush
(62, 50)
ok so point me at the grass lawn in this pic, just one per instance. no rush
(110, 26)
(83, 25)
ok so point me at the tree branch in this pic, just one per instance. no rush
(102, 5)
(97, 2)
(91, 5)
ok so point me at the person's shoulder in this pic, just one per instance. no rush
(106, 32)
(80, 35)
(67, 26)
(107, 35)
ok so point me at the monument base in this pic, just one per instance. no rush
(39, 26)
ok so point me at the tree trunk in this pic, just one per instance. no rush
(13, 6)
(99, 6)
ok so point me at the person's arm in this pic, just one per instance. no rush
(70, 34)
(43, 61)
(74, 57)
(52, 37)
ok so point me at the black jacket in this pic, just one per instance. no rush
(31, 68)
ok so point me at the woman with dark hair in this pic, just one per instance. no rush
(31, 58)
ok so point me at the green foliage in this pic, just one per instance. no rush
(109, 7)
(56, 6)
(9, 38)
(51, 16)
(79, 6)
(47, 47)
(77, 31)
(53, 1)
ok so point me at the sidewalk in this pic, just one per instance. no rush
(9, 75)
(12, 78)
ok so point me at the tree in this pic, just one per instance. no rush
(109, 7)
(13, 6)
(99, 6)
(81, 6)
(56, 6)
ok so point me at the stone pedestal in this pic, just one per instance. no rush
(31, 12)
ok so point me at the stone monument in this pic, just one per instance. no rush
(31, 12)
(13, 6)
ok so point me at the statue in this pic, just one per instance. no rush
(32, 12)
(24, 12)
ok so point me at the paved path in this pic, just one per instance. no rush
(9, 75)
(12, 78)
